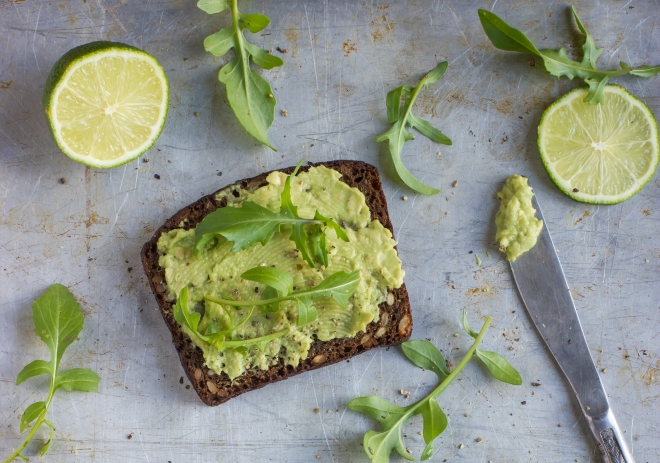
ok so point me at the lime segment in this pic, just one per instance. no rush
(600, 154)
(106, 103)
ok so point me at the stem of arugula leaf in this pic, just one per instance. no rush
(470, 353)
(235, 22)
(40, 420)
(411, 101)
(447, 381)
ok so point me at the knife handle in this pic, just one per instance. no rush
(609, 437)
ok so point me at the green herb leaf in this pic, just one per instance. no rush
(46, 446)
(397, 135)
(36, 368)
(340, 286)
(307, 313)
(277, 279)
(243, 225)
(379, 409)
(182, 314)
(393, 102)
(214, 334)
(252, 223)
(31, 413)
(78, 379)
(504, 36)
(378, 445)
(499, 367)
(51, 428)
(425, 355)
(58, 321)
(250, 95)
(270, 293)
(213, 6)
(426, 129)
(645, 71)
(466, 325)
(557, 62)
(435, 422)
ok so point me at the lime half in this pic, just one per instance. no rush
(600, 154)
(106, 103)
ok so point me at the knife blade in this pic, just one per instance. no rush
(545, 293)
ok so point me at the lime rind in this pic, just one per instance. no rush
(57, 82)
(637, 161)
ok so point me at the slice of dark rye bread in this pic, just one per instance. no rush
(393, 327)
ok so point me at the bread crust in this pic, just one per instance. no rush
(214, 388)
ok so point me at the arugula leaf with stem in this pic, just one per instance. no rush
(401, 117)
(250, 95)
(499, 367)
(213, 335)
(378, 445)
(58, 321)
(251, 223)
(340, 286)
(556, 62)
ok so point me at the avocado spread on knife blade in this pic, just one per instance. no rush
(517, 227)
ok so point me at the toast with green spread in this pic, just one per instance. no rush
(378, 314)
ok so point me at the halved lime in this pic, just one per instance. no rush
(106, 103)
(600, 154)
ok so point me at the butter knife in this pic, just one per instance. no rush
(544, 291)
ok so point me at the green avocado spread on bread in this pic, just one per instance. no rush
(216, 271)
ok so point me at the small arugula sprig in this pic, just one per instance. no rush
(557, 62)
(251, 223)
(214, 335)
(379, 444)
(400, 117)
(340, 286)
(58, 321)
(250, 95)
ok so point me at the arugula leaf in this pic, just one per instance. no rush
(499, 367)
(252, 223)
(466, 325)
(36, 368)
(250, 95)
(340, 286)
(277, 279)
(183, 315)
(425, 355)
(435, 422)
(31, 413)
(214, 334)
(378, 445)
(557, 62)
(78, 379)
(379, 409)
(307, 313)
(58, 321)
(397, 135)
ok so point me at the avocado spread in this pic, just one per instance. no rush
(517, 227)
(216, 272)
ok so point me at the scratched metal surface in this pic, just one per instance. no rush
(342, 58)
